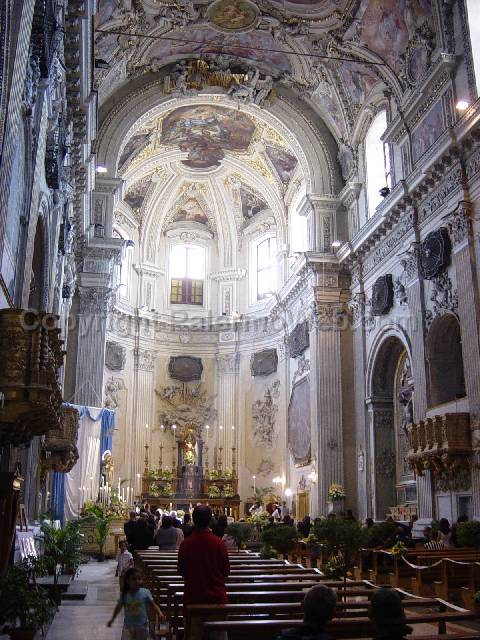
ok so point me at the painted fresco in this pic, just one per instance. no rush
(136, 195)
(252, 203)
(232, 15)
(305, 3)
(359, 81)
(431, 127)
(283, 162)
(328, 103)
(107, 10)
(205, 132)
(133, 148)
(191, 211)
(299, 434)
(205, 40)
(386, 26)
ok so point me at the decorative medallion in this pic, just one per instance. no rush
(264, 363)
(233, 15)
(435, 253)
(115, 356)
(185, 368)
(382, 295)
(299, 339)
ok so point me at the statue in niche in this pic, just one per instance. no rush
(346, 160)
(113, 387)
(405, 395)
(107, 467)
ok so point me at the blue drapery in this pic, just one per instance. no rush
(58, 496)
(107, 416)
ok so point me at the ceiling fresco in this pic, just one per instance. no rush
(206, 132)
(252, 203)
(284, 162)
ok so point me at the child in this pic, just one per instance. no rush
(137, 603)
(124, 562)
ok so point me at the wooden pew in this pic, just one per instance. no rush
(360, 627)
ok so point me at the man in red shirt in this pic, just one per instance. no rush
(203, 563)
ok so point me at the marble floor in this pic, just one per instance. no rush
(82, 620)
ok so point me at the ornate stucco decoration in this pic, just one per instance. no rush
(264, 363)
(185, 368)
(303, 368)
(299, 339)
(187, 406)
(227, 362)
(405, 394)
(264, 415)
(382, 295)
(113, 386)
(59, 450)
(441, 444)
(443, 296)
(145, 360)
(435, 253)
(115, 356)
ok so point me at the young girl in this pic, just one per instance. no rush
(137, 603)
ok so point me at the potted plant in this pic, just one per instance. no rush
(342, 538)
(468, 534)
(281, 537)
(241, 532)
(214, 492)
(61, 551)
(336, 494)
(102, 530)
(25, 607)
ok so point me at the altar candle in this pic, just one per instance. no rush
(119, 487)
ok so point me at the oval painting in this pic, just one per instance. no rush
(233, 15)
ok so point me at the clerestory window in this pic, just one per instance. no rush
(187, 274)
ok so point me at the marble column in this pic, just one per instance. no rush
(459, 225)
(142, 413)
(417, 332)
(84, 377)
(227, 400)
(320, 212)
(382, 453)
(326, 398)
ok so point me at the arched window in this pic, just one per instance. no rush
(445, 360)
(473, 10)
(377, 159)
(187, 274)
(266, 267)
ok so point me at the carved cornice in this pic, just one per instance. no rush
(228, 275)
(459, 224)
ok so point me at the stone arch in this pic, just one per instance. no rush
(445, 360)
(315, 155)
(39, 278)
(390, 405)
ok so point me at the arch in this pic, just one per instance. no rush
(445, 360)
(39, 278)
(379, 347)
(316, 153)
(390, 404)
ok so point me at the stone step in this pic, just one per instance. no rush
(77, 591)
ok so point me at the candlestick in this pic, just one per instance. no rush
(219, 463)
(254, 478)
(160, 458)
(139, 482)
(119, 487)
(234, 462)
(174, 460)
(146, 458)
(206, 459)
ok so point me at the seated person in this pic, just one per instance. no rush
(388, 617)
(318, 609)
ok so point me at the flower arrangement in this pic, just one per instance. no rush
(214, 492)
(215, 474)
(151, 474)
(336, 492)
(335, 567)
(165, 474)
(398, 549)
(154, 491)
(180, 513)
(227, 491)
(166, 490)
(260, 519)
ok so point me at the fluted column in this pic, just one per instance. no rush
(144, 393)
(363, 446)
(326, 411)
(459, 224)
(415, 296)
(227, 385)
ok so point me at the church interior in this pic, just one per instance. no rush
(239, 262)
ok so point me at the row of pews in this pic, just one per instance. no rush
(450, 574)
(265, 596)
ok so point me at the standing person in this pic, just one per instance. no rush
(203, 563)
(285, 509)
(166, 536)
(124, 562)
(142, 538)
(221, 525)
(137, 603)
(187, 526)
(129, 529)
(277, 512)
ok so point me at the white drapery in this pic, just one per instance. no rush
(86, 473)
